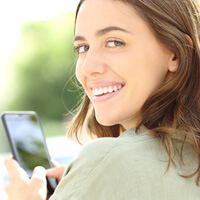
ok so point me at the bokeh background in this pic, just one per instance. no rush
(37, 62)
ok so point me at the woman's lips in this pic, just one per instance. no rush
(106, 92)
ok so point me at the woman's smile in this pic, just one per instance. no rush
(106, 92)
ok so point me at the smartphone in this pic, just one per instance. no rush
(27, 143)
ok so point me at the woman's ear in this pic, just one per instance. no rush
(189, 39)
(172, 66)
(174, 60)
(173, 63)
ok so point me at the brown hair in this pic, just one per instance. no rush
(176, 105)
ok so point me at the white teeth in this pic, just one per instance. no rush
(115, 88)
(119, 87)
(110, 89)
(95, 92)
(101, 90)
(106, 90)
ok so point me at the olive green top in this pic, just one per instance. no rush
(130, 167)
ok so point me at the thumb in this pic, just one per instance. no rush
(39, 173)
(39, 177)
(38, 181)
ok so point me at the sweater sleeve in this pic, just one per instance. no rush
(85, 174)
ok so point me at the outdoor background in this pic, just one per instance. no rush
(37, 62)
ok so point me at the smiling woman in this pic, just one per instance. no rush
(138, 62)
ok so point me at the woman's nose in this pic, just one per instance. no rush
(93, 64)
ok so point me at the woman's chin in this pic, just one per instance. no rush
(106, 122)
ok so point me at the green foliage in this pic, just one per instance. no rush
(44, 66)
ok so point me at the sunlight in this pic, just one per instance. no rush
(12, 14)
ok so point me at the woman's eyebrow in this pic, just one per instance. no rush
(79, 38)
(109, 29)
(102, 32)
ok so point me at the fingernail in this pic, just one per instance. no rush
(40, 169)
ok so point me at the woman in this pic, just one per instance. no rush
(139, 64)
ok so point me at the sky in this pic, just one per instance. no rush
(15, 12)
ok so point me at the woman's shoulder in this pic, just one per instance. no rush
(100, 145)
(131, 159)
(128, 159)
(119, 146)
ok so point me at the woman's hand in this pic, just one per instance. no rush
(20, 187)
(57, 171)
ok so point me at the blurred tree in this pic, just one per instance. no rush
(44, 66)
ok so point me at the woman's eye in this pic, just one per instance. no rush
(114, 43)
(81, 49)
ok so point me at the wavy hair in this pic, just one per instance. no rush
(176, 105)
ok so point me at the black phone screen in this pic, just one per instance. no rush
(28, 143)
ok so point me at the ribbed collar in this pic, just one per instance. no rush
(141, 134)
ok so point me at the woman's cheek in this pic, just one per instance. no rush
(79, 76)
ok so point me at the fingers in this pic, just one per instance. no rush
(38, 181)
(56, 172)
(39, 173)
(14, 170)
(20, 187)
(55, 163)
(18, 181)
(11, 165)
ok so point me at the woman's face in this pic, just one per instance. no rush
(120, 61)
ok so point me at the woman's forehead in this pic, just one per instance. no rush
(102, 13)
